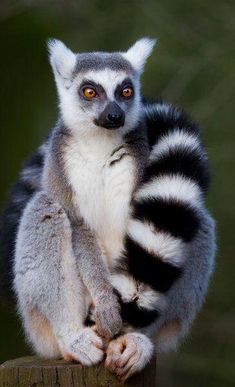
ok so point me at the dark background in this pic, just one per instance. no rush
(193, 66)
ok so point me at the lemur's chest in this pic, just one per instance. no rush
(102, 179)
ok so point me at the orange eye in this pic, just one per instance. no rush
(89, 93)
(127, 92)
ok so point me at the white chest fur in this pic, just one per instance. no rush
(102, 176)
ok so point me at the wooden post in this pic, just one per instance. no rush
(32, 371)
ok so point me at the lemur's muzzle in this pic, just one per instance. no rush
(112, 117)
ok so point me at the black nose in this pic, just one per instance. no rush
(115, 118)
(112, 117)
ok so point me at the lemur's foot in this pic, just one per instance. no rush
(128, 354)
(85, 347)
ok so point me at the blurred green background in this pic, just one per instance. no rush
(194, 67)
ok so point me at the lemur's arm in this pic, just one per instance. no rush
(96, 277)
(88, 256)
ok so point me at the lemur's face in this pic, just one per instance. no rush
(108, 97)
(99, 90)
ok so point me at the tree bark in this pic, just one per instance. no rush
(32, 371)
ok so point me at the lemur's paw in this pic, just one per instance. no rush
(128, 354)
(86, 347)
(107, 316)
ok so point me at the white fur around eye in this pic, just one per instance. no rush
(107, 78)
(82, 120)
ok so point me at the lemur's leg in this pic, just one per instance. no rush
(51, 296)
(128, 354)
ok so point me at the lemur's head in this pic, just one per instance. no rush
(98, 89)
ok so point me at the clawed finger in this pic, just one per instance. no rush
(126, 356)
(111, 364)
(113, 355)
(128, 374)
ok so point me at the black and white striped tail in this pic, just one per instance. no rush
(166, 209)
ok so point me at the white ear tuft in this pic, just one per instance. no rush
(62, 59)
(139, 53)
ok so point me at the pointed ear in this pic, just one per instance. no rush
(62, 60)
(139, 53)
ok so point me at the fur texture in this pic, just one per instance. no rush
(167, 213)
(109, 226)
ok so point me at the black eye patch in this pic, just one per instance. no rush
(90, 84)
(126, 83)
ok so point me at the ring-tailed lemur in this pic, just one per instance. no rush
(110, 219)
